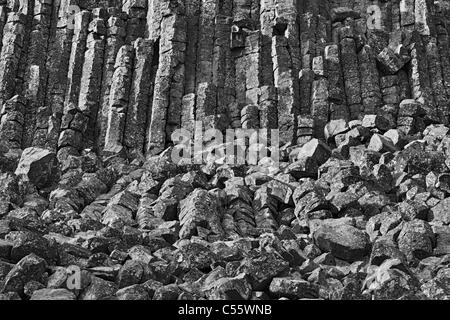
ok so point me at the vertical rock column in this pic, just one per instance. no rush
(396, 16)
(77, 130)
(268, 113)
(267, 17)
(139, 104)
(437, 81)
(12, 122)
(336, 91)
(193, 11)
(76, 59)
(223, 64)
(3, 17)
(423, 18)
(443, 48)
(391, 97)
(320, 103)
(168, 91)
(118, 100)
(253, 76)
(192, 37)
(12, 45)
(60, 45)
(420, 78)
(350, 68)
(137, 16)
(206, 91)
(267, 100)
(407, 18)
(25, 7)
(286, 65)
(308, 26)
(115, 38)
(37, 114)
(238, 40)
(154, 19)
(370, 81)
(91, 79)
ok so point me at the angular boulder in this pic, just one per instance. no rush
(38, 166)
(343, 241)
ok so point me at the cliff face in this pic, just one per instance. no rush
(92, 205)
(121, 77)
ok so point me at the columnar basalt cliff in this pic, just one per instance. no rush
(92, 94)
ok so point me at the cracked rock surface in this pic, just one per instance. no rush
(93, 205)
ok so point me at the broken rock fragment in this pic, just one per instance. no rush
(38, 166)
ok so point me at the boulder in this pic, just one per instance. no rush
(38, 166)
(343, 241)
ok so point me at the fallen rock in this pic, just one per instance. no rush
(28, 268)
(53, 294)
(38, 166)
(293, 289)
(199, 209)
(343, 241)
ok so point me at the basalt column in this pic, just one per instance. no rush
(286, 65)
(37, 114)
(370, 81)
(206, 91)
(12, 122)
(79, 119)
(350, 68)
(139, 104)
(57, 65)
(223, 68)
(137, 18)
(115, 38)
(3, 17)
(168, 91)
(336, 91)
(76, 60)
(12, 46)
(193, 11)
(267, 100)
(118, 100)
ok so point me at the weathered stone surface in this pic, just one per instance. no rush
(293, 289)
(37, 166)
(199, 209)
(343, 241)
(53, 294)
(29, 268)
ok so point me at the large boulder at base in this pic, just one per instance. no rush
(38, 166)
(343, 241)
(53, 294)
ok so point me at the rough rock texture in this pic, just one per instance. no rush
(94, 206)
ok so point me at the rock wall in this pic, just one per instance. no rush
(302, 63)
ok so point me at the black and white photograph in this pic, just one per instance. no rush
(224, 158)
